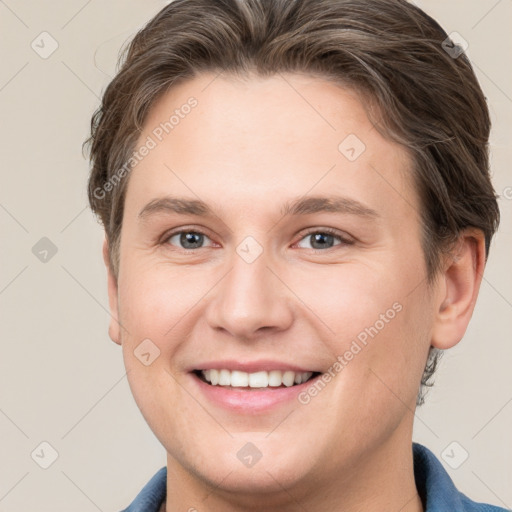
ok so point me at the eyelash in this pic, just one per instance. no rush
(325, 231)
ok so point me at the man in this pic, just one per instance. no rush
(298, 211)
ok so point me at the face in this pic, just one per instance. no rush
(271, 229)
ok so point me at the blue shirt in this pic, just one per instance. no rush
(435, 487)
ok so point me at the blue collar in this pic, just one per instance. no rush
(435, 487)
(437, 490)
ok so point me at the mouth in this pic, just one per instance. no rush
(261, 380)
(263, 389)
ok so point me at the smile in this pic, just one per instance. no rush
(260, 379)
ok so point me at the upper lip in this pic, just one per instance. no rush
(250, 366)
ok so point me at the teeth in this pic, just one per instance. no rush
(224, 378)
(275, 378)
(263, 379)
(258, 380)
(238, 379)
(288, 378)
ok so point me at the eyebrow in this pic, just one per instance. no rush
(300, 206)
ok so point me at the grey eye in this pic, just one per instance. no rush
(320, 240)
(188, 239)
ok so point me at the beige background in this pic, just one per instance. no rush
(62, 380)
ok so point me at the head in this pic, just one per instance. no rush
(250, 106)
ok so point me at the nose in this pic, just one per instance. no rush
(251, 300)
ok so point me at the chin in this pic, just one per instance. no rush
(263, 482)
(250, 464)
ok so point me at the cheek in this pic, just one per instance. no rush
(154, 300)
(153, 307)
(349, 299)
(379, 322)
(396, 354)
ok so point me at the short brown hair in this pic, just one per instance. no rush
(427, 97)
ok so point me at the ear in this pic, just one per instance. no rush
(458, 288)
(113, 329)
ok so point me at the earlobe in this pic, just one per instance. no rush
(113, 329)
(458, 289)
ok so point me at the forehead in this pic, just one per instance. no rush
(289, 134)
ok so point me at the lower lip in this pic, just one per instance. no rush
(251, 401)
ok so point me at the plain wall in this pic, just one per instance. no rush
(62, 379)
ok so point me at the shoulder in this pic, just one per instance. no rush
(152, 495)
(436, 488)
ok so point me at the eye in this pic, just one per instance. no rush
(321, 239)
(187, 239)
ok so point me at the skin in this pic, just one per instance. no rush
(247, 148)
